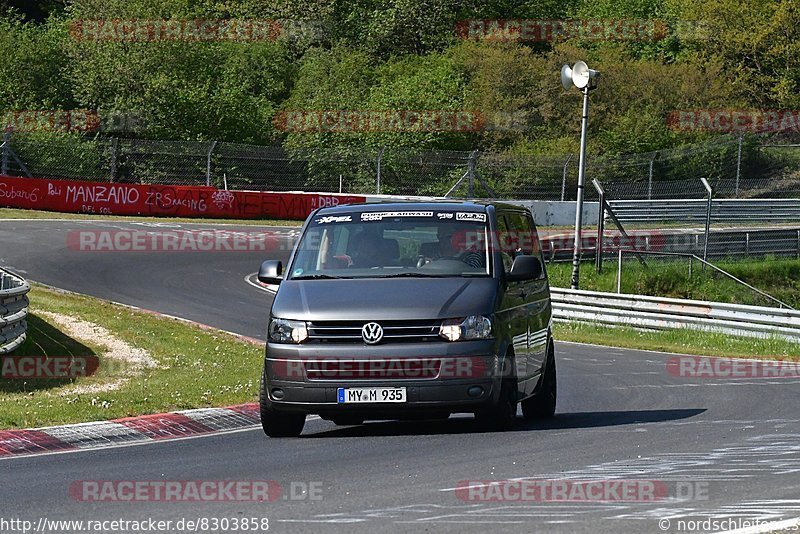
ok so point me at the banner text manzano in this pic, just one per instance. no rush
(71, 196)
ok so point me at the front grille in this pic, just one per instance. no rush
(377, 368)
(393, 331)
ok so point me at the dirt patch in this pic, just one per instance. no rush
(134, 360)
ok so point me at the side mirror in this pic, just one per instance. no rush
(271, 272)
(524, 268)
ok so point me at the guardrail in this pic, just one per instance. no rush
(661, 313)
(13, 310)
(722, 210)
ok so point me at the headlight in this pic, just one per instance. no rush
(473, 327)
(287, 331)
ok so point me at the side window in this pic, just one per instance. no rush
(506, 244)
(522, 238)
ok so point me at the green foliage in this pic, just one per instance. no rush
(405, 55)
(670, 278)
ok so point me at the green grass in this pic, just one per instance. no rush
(779, 278)
(681, 341)
(13, 213)
(201, 368)
(196, 367)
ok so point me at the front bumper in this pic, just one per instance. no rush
(438, 377)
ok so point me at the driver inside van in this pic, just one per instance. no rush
(454, 244)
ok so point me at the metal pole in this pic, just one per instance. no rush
(619, 270)
(708, 218)
(378, 164)
(690, 265)
(576, 253)
(598, 259)
(564, 179)
(739, 165)
(650, 178)
(471, 176)
(114, 149)
(208, 163)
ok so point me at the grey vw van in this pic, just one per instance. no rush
(409, 310)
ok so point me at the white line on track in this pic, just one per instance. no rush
(773, 526)
(138, 443)
(259, 285)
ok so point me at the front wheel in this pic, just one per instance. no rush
(277, 424)
(503, 415)
(542, 405)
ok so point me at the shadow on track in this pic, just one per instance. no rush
(467, 425)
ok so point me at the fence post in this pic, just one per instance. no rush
(708, 219)
(378, 165)
(471, 173)
(6, 151)
(739, 165)
(650, 177)
(598, 259)
(208, 162)
(619, 270)
(114, 149)
(564, 179)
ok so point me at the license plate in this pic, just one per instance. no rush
(356, 395)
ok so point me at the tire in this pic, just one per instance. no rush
(502, 416)
(542, 405)
(276, 424)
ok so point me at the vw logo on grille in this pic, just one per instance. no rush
(372, 333)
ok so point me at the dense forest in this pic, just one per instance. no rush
(366, 55)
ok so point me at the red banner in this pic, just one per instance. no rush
(70, 196)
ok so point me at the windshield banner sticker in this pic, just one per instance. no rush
(469, 216)
(333, 218)
(380, 215)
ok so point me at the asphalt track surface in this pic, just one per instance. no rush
(726, 450)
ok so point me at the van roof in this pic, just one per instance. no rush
(444, 204)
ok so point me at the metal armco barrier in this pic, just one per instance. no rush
(657, 313)
(13, 310)
(722, 210)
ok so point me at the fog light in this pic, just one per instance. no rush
(475, 391)
(277, 393)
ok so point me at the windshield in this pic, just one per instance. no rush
(398, 243)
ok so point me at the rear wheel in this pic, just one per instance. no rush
(542, 405)
(503, 415)
(277, 424)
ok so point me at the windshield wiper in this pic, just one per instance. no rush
(417, 275)
(319, 277)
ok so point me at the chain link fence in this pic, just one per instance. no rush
(744, 167)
